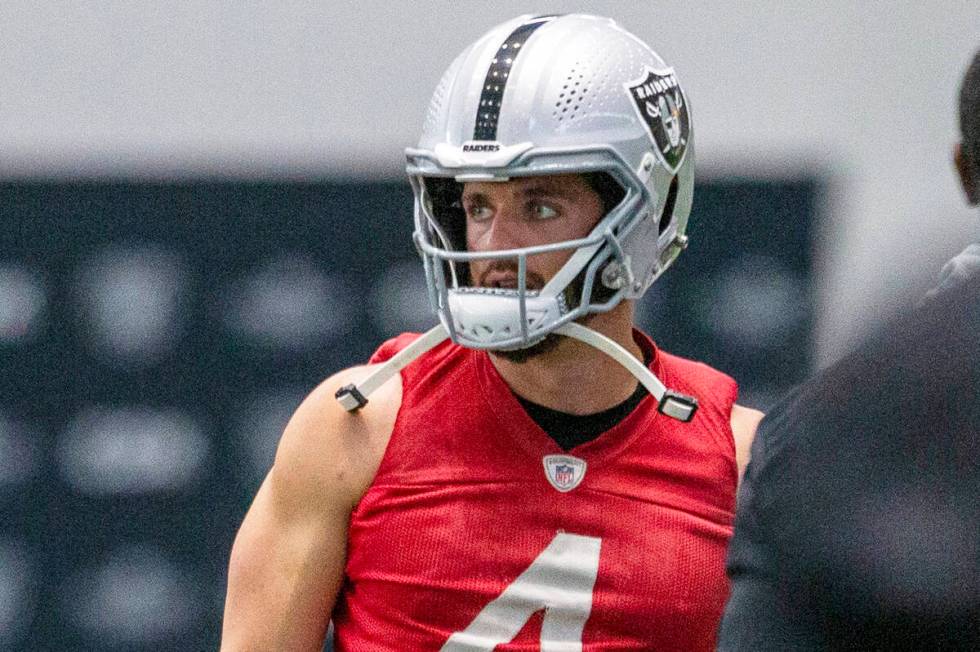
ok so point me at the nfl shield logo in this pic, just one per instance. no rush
(563, 475)
(564, 472)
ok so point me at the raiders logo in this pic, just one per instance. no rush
(661, 105)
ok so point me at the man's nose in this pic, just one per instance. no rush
(504, 231)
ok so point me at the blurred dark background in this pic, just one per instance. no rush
(155, 338)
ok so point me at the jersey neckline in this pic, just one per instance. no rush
(530, 437)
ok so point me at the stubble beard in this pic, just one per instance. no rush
(534, 282)
(551, 341)
(520, 356)
(573, 296)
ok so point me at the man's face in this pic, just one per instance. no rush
(526, 212)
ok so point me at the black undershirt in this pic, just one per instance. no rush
(571, 430)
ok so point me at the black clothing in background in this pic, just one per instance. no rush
(858, 523)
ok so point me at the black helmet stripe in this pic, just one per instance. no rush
(488, 111)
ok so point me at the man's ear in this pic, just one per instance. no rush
(968, 170)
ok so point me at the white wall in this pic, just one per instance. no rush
(861, 93)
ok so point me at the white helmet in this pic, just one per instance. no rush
(553, 95)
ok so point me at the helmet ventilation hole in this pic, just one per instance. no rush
(574, 95)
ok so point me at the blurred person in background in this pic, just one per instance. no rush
(859, 519)
(531, 483)
(966, 155)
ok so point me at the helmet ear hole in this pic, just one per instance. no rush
(610, 192)
(667, 216)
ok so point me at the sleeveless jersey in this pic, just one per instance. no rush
(472, 538)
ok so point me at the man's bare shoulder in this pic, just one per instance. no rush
(325, 448)
(288, 559)
(745, 421)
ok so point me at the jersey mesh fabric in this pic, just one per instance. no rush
(461, 506)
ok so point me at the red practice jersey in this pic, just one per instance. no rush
(480, 533)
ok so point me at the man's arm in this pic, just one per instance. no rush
(744, 423)
(288, 559)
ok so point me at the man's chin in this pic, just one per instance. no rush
(520, 356)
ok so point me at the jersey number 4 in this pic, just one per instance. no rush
(559, 581)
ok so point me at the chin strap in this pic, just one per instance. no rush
(673, 404)
(354, 397)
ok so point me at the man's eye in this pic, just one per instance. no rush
(478, 213)
(543, 211)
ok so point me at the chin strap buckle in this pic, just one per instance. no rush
(669, 403)
(350, 398)
(353, 397)
(678, 406)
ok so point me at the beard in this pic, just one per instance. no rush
(572, 296)
(551, 341)
(520, 356)
(534, 282)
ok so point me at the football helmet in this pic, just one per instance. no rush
(542, 95)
